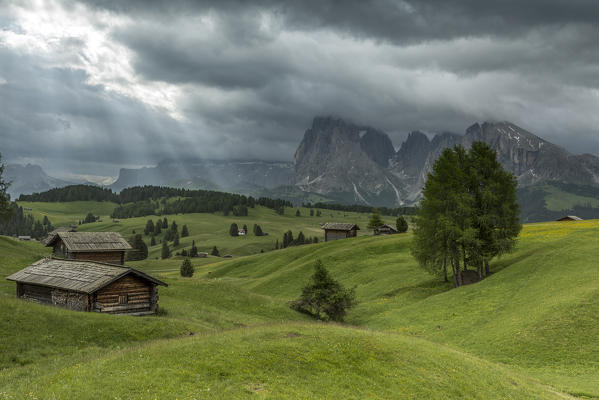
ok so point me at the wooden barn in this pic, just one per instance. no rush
(570, 218)
(385, 230)
(107, 247)
(338, 230)
(88, 286)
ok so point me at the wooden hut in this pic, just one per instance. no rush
(570, 218)
(108, 247)
(385, 230)
(338, 230)
(88, 286)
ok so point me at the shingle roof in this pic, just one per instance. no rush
(79, 276)
(387, 226)
(91, 241)
(51, 235)
(340, 226)
(571, 217)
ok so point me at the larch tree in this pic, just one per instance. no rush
(401, 224)
(468, 213)
(375, 220)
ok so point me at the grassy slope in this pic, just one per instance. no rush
(66, 214)
(558, 199)
(539, 311)
(289, 361)
(538, 314)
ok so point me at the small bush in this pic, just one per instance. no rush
(324, 298)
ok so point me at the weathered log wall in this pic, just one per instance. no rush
(57, 297)
(111, 257)
(127, 295)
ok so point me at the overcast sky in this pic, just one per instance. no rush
(88, 87)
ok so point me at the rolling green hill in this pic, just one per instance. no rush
(206, 229)
(530, 330)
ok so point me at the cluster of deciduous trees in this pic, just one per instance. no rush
(468, 213)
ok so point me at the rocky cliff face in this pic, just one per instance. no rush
(352, 163)
(27, 179)
(347, 162)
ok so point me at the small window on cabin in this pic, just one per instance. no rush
(124, 299)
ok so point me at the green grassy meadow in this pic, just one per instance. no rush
(207, 230)
(529, 331)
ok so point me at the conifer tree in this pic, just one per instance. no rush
(187, 269)
(468, 213)
(5, 209)
(375, 220)
(401, 224)
(153, 240)
(166, 252)
(324, 298)
(215, 252)
(176, 240)
(165, 223)
(301, 239)
(184, 231)
(140, 249)
(194, 250)
(234, 229)
(149, 227)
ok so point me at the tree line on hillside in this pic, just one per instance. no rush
(16, 223)
(393, 212)
(73, 193)
(191, 201)
(468, 215)
(13, 221)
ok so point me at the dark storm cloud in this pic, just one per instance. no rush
(251, 76)
(397, 21)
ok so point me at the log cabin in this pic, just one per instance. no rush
(88, 286)
(385, 230)
(107, 247)
(337, 230)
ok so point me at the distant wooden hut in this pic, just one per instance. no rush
(108, 247)
(570, 218)
(88, 286)
(339, 230)
(24, 238)
(385, 230)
